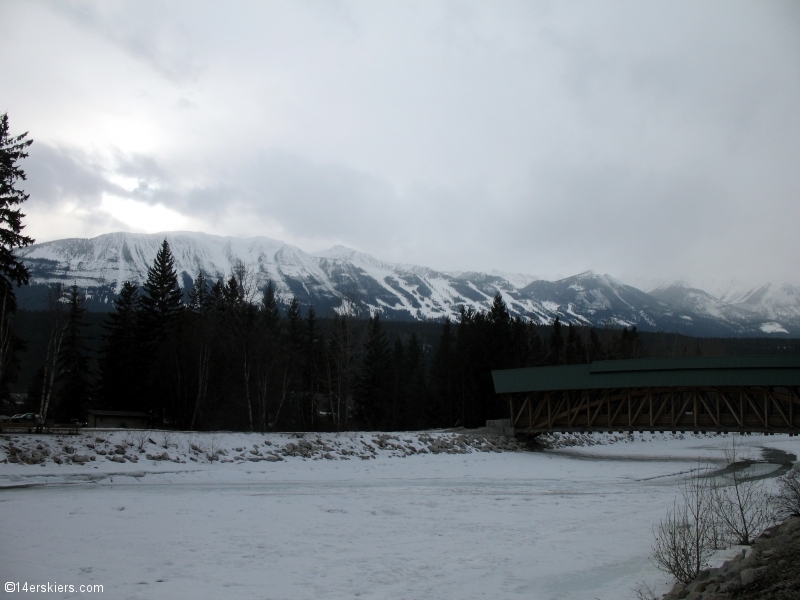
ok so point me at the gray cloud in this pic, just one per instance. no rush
(648, 140)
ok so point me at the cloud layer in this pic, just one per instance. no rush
(652, 141)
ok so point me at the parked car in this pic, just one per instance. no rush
(4, 418)
(27, 418)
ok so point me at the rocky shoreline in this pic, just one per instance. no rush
(768, 570)
(133, 446)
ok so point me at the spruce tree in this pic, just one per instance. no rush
(313, 366)
(200, 299)
(444, 377)
(595, 349)
(160, 302)
(398, 399)
(121, 360)
(556, 344)
(12, 270)
(574, 351)
(73, 382)
(372, 378)
(419, 412)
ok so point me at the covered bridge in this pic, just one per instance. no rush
(748, 393)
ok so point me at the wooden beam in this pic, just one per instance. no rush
(728, 404)
(777, 405)
(616, 413)
(710, 413)
(521, 410)
(755, 408)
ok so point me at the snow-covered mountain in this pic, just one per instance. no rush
(340, 275)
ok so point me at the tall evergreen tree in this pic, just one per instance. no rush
(160, 301)
(313, 366)
(595, 348)
(556, 350)
(121, 359)
(574, 351)
(418, 413)
(12, 270)
(445, 377)
(397, 397)
(200, 300)
(73, 383)
(372, 378)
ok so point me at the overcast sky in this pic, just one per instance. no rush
(650, 141)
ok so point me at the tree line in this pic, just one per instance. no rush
(225, 356)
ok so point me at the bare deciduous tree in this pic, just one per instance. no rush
(54, 342)
(685, 538)
(644, 592)
(787, 500)
(213, 447)
(740, 503)
(141, 438)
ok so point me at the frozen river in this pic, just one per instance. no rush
(572, 524)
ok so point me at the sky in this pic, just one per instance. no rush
(652, 141)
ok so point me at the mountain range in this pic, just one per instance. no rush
(341, 276)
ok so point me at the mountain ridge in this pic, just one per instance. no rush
(330, 277)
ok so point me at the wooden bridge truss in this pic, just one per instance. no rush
(698, 409)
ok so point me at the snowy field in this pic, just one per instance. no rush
(404, 517)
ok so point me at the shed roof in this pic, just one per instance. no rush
(648, 372)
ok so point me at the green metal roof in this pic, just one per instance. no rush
(648, 372)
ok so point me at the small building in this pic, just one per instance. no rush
(117, 419)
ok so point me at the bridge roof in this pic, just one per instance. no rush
(653, 372)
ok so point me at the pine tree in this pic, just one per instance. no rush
(556, 344)
(574, 351)
(444, 377)
(293, 356)
(12, 270)
(313, 366)
(398, 383)
(200, 299)
(595, 349)
(73, 381)
(160, 302)
(418, 412)
(121, 360)
(372, 378)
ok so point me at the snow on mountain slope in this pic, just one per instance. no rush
(341, 276)
(773, 302)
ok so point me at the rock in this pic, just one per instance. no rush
(119, 450)
(118, 459)
(101, 452)
(197, 448)
(80, 459)
(253, 458)
(69, 450)
(57, 460)
(750, 575)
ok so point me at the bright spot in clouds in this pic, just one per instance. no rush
(649, 140)
(144, 218)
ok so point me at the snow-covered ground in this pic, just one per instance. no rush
(374, 520)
